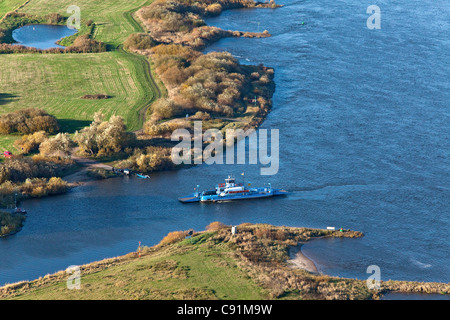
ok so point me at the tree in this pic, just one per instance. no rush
(59, 145)
(31, 142)
(104, 137)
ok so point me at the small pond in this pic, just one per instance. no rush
(42, 36)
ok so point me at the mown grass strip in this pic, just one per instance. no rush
(10, 5)
(56, 83)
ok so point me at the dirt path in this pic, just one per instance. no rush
(86, 164)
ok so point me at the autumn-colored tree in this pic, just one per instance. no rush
(31, 142)
(58, 145)
(104, 137)
(28, 121)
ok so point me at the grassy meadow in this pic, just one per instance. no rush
(7, 143)
(9, 5)
(56, 82)
(182, 271)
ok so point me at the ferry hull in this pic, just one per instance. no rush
(190, 198)
(231, 191)
(195, 197)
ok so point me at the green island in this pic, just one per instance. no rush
(254, 263)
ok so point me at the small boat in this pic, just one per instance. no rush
(142, 176)
(229, 191)
(19, 211)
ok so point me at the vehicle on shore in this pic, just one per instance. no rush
(230, 190)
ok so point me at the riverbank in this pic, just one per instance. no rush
(10, 223)
(211, 264)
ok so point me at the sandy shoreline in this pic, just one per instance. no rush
(299, 260)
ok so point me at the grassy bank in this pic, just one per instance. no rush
(56, 83)
(210, 265)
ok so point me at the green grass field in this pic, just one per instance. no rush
(7, 143)
(56, 82)
(9, 5)
(182, 271)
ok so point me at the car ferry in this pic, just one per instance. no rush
(230, 190)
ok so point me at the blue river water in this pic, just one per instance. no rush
(363, 117)
(42, 36)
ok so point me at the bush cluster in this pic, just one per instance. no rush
(58, 146)
(28, 121)
(10, 223)
(18, 169)
(139, 41)
(175, 236)
(103, 138)
(98, 96)
(37, 188)
(31, 142)
(148, 160)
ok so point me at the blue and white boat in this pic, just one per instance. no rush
(230, 190)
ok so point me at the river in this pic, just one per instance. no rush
(364, 144)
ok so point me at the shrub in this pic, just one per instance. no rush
(173, 237)
(104, 137)
(85, 44)
(28, 121)
(30, 143)
(58, 146)
(215, 226)
(40, 187)
(139, 41)
(57, 185)
(149, 160)
(10, 223)
(19, 169)
(55, 18)
(5, 174)
(173, 75)
(264, 232)
(164, 109)
(199, 115)
(100, 173)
